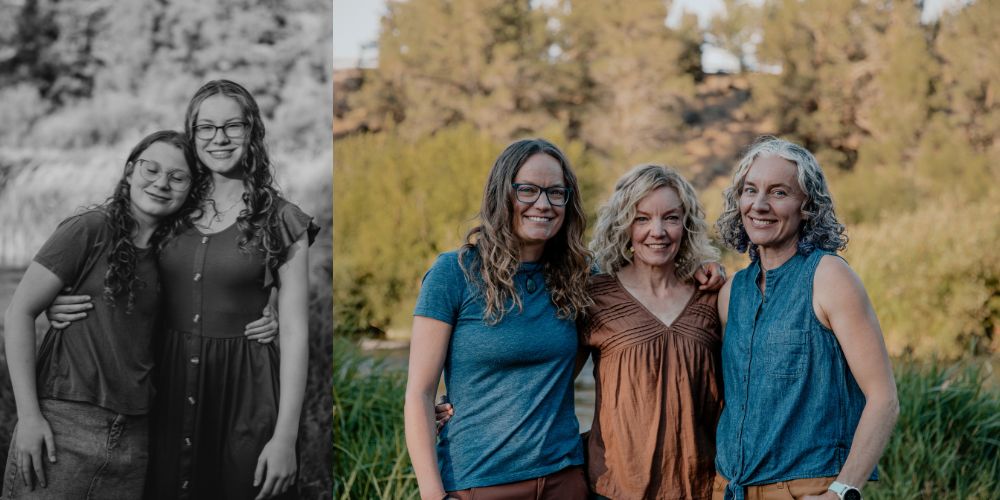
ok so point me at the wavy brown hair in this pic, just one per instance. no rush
(258, 222)
(612, 234)
(491, 254)
(120, 277)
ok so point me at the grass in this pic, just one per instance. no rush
(947, 440)
(946, 444)
(370, 458)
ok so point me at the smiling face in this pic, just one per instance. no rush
(771, 203)
(221, 154)
(658, 228)
(156, 199)
(535, 223)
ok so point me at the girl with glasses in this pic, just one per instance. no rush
(83, 402)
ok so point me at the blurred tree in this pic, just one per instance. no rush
(822, 48)
(627, 63)
(969, 49)
(482, 62)
(692, 37)
(735, 29)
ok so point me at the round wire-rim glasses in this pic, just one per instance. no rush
(178, 180)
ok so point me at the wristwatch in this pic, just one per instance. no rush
(845, 491)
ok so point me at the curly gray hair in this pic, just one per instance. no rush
(612, 237)
(820, 228)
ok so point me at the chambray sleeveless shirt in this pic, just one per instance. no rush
(791, 402)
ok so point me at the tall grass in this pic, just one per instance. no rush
(946, 444)
(947, 441)
(370, 458)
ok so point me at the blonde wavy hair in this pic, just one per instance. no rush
(820, 228)
(612, 234)
(490, 256)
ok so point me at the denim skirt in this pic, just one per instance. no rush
(100, 454)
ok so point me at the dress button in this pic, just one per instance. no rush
(197, 317)
(204, 239)
(197, 276)
(191, 400)
(195, 360)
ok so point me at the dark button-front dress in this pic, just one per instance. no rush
(217, 399)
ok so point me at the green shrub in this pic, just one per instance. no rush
(369, 447)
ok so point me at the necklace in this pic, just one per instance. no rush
(220, 213)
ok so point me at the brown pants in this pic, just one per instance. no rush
(568, 484)
(785, 490)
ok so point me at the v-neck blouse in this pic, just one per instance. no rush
(658, 397)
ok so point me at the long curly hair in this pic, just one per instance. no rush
(257, 223)
(820, 228)
(612, 236)
(491, 254)
(120, 277)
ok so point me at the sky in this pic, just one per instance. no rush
(356, 25)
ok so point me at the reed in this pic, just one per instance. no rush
(369, 448)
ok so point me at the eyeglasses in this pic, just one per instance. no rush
(178, 180)
(233, 130)
(529, 193)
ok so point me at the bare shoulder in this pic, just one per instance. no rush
(838, 291)
(833, 274)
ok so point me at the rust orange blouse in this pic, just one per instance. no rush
(658, 395)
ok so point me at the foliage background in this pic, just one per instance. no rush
(81, 82)
(903, 114)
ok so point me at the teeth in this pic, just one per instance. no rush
(657, 245)
(220, 155)
(538, 219)
(758, 222)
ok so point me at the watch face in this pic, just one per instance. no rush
(852, 494)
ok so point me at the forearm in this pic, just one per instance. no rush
(19, 342)
(870, 438)
(294, 361)
(421, 440)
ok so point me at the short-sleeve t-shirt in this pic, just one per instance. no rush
(511, 384)
(105, 359)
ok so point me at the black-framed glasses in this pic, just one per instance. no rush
(178, 180)
(233, 130)
(529, 193)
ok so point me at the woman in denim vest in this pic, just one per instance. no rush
(810, 399)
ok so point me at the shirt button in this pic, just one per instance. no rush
(187, 441)
(185, 485)
(197, 317)
(204, 239)
(197, 276)
(191, 400)
(195, 360)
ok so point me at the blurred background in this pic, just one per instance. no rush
(82, 82)
(900, 101)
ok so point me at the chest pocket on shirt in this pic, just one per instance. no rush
(787, 352)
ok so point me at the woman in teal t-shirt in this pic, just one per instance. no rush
(498, 316)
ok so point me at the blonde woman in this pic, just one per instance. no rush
(655, 341)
